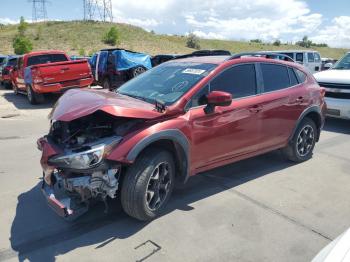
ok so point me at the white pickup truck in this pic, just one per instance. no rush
(337, 83)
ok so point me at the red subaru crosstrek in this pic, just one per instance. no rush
(176, 120)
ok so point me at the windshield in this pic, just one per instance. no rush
(167, 82)
(12, 62)
(343, 63)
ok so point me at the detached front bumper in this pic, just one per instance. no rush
(64, 205)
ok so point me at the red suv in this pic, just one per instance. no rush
(176, 120)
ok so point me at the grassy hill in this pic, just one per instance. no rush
(77, 35)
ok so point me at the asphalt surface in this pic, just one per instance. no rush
(261, 209)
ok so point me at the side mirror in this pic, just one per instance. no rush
(217, 98)
(328, 66)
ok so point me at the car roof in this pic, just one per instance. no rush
(204, 59)
(291, 51)
(45, 52)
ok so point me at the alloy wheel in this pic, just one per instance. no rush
(158, 186)
(305, 140)
(138, 71)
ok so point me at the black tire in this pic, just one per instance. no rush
(107, 84)
(137, 71)
(139, 181)
(33, 97)
(301, 147)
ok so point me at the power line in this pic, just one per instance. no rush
(98, 10)
(39, 12)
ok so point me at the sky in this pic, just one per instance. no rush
(323, 21)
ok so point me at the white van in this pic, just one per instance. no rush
(308, 58)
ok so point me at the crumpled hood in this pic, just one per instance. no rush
(76, 103)
(333, 76)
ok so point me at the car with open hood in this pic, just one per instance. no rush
(181, 118)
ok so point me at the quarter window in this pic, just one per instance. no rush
(238, 80)
(293, 77)
(275, 77)
(301, 75)
(310, 57)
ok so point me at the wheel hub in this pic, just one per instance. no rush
(305, 140)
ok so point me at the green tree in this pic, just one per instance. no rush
(23, 25)
(305, 42)
(193, 41)
(112, 37)
(22, 45)
(277, 43)
(82, 52)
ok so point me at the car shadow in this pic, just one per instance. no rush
(38, 234)
(337, 125)
(21, 102)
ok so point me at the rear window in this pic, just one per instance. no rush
(275, 77)
(12, 62)
(44, 59)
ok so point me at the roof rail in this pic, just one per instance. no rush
(268, 55)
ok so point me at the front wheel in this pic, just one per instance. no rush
(148, 184)
(301, 147)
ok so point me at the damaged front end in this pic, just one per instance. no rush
(76, 170)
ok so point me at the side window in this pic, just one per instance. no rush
(310, 57)
(299, 57)
(200, 98)
(317, 57)
(275, 77)
(301, 75)
(238, 80)
(293, 78)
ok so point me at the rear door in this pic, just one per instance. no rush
(282, 103)
(229, 131)
(18, 75)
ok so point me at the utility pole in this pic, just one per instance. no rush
(39, 12)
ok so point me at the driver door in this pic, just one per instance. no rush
(231, 131)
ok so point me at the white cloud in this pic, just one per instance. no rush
(8, 21)
(336, 34)
(222, 19)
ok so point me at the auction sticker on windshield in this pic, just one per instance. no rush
(193, 71)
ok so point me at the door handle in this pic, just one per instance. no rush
(255, 109)
(300, 99)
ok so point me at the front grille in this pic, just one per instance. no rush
(331, 85)
(338, 95)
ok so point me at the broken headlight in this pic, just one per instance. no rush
(81, 160)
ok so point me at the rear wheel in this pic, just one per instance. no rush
(137, 71)
(33, 97)
(15, 89)
(300, 148)
(148, 184)
(7, 85)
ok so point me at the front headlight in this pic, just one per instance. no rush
(81, 160)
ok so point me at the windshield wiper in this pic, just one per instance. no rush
(133, 96)
(160, 106)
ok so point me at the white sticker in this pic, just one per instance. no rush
(193, 71)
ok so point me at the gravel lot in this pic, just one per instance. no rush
(262, 209)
